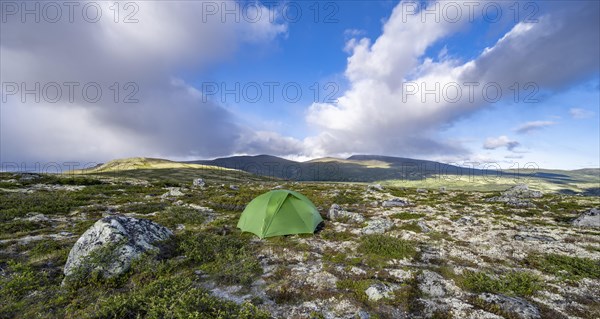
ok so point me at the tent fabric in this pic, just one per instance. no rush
(278, 213)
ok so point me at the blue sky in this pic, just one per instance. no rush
(363, 53)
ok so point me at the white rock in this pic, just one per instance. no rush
(357, 271)
(131, 237)
(396, 202)
(336, 213)
(590, 218)
(377, 292)
(173, 192)
(432, 284)
(199, 182)
(377, 226)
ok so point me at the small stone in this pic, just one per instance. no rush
(432, 284)
(198, 182)
(527, 237)
(400, 274)
(375, 187)
(39, 218)
(422, 191)
(336, 213)
(357, 271)
(377, 226)
(234, 187)
(173, 192)
(423, 226)
(466, 220)
(377, 292)
(395, 202)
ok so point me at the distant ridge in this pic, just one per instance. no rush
(356, 168)
(136, 163)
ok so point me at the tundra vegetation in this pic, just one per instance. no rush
(445, 254)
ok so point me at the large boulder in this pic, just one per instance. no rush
(112, 243)
(591, 218)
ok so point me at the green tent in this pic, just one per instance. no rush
(279, 212)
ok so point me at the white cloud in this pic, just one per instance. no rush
(532, 126)
(170, 120)
(379, 113)
(578, 113)
(492, 143)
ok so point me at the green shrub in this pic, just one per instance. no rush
(512, 283)
(179, 215)
(228, 258)
(386, 247)
(174, 296)
(21, 280)
(567, 267)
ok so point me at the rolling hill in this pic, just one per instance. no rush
(410, 172)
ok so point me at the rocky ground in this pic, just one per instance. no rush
(138, 248)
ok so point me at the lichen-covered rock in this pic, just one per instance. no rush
(591, 218)
(423, 226)
(199, 182)
(515, 306)
(336, 213)
(517, 196)
(173, 192)
(467, 220)
(533, 237)
(375, 187)
(377, 226)
(432, 284)
(521, 191)
(378, 291)
(396, 202)
(126, 239)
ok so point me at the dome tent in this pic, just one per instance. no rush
(279, 212)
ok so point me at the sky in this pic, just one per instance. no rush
(469, 83)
